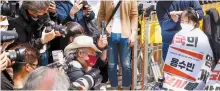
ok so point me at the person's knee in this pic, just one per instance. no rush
(126, 64)
(111, 66)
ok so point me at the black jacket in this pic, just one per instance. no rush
(29, 31)
(212, 29)
(6, 81)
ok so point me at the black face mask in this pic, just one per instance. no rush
(42, 16)
(39, 17)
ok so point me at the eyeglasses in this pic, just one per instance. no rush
(31, 65)
(35, 65)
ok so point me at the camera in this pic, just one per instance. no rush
(90, 80)
(85, 5)
(16, 55)
(66, 66)
(50, 25)
(10, 9)
(7, 36)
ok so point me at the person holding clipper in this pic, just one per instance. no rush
(168, 13)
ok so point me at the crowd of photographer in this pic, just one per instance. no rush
(29, 37)
(57, 45)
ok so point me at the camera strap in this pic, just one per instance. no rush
(113, 13)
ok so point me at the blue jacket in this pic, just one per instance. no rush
(63, 9)
(168, 26)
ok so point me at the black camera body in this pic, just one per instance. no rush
(89, 80)
(8, 35)
(16, 55)
(50, 25)
(65, 66)
(10, 9)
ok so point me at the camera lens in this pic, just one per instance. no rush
(5, 9)
(16, 55)
(20, 53)
(11, 54)
(10, 9)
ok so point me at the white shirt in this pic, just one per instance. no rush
(116, 27)
(72, 1)
(95, 4)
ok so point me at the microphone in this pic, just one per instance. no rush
(103, 27)
(7, 36)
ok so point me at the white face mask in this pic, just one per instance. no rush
(187, 27)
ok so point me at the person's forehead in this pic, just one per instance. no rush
(42, 10)
(183, 13)
(91, 49)
(183, 17)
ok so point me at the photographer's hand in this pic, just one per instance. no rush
(52, 7)
(88, 11)
(4, 61)
(61, 69)
(132, 39)
(102, 41)
(76, 7)
(58, 33)
(103, 56)
(82, 88)
(6, 44)
(46, 37)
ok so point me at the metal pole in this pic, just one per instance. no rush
(134, 66)
(145, 60)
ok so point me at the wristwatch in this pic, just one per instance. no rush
(106, 47)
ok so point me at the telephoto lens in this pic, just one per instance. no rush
(16, 55)
(10, 9)
(90, 80)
